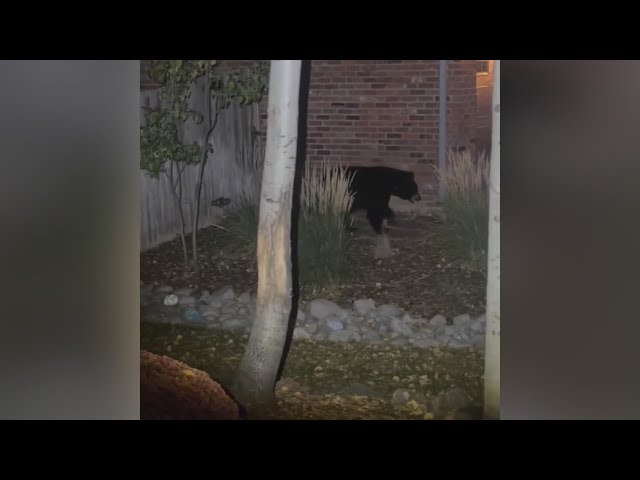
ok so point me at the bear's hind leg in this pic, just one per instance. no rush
(383, 247)
(389, 217)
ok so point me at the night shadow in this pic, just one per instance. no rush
(301, 156)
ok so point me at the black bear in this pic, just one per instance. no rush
(372, 188)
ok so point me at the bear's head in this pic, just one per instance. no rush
(405, 187)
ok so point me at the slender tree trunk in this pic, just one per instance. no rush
(183, 224)
(492, 350)
(210, 125)
(198, 200)
(259, 367)
(175, 188)
(177, 201)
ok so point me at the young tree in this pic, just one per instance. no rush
(220, 91)
(492, 350)
(160, 139)
(259, 367)
(161, 148)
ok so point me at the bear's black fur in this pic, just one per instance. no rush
(372, 187)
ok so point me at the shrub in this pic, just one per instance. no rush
(466, 208)
(243, 225)
(324, 215)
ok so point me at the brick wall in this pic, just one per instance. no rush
(484, 93)
(385, 112)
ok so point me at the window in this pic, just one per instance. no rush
(482, 66)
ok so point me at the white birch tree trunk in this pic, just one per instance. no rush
(492, 347)
(259, 367)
